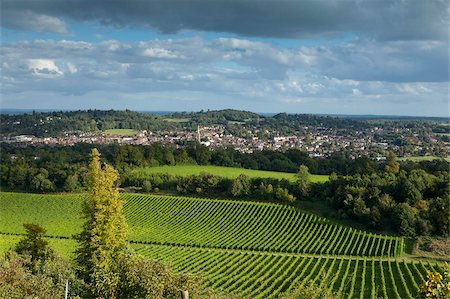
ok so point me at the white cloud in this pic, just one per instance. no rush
(44, 68)
(249, 74)
(158, 53)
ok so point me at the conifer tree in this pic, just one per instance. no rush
(104, 234)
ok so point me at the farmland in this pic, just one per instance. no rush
(257, 250)
(228, 172)
(121, 132)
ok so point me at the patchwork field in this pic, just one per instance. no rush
(228, 172)
(257, 250)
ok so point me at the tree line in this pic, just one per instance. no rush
(62, 168)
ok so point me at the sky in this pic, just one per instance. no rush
(385, 57)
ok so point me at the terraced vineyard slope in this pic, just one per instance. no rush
(257, 250)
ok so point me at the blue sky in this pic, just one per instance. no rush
(386, 57)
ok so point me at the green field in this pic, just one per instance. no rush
(177, 120)
(228, 172)
(421, 158)
(257, 250)
(121, 132)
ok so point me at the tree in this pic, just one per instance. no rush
(202, 154)
(41, 183)
(147, 186)
(72, 184)
(240, 186)
(303, 181)
(405, 218)
(104, 233)
(47, 280)
(33, 244)
(392, 165)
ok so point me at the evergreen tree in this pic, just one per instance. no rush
(104, 234)
(33, 243)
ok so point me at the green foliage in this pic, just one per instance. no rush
(283, 194)
(147, 186)
(310, 291)
(392, 165)
(104, 233)
(46, 280)
(143, 278)
(33, 244)
(437, 285)
(240, 186)
(414, 203)
(72, 183)
(406, 217)
(303, 180)
(41, 183)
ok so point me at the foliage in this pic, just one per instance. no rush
(310, 291)
(414, 203)
(303, 180)
(240, 186)
(33, 244)
(392, 165)
(437, 285)
(47, 279)
(104, 232)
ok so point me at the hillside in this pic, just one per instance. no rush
(247, 248)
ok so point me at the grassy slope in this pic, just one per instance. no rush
(229, 172)
(121, 132)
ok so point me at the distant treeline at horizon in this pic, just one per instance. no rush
(19, 111)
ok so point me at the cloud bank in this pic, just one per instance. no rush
(380, 19)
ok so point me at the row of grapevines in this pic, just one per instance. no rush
(267, 275)
(247, 226)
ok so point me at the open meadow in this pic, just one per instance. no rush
(121, 132)
(253, 249)
(228, 172)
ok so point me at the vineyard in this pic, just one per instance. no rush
(257, 250)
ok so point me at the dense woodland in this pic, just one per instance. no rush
(407, 197)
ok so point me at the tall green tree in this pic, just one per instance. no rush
(33, 243)
(303, 180)
(392, 165)
(104, 234)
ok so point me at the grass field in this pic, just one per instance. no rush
(421, 158)
(121, 132)
(228, 172)
(257, 250)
